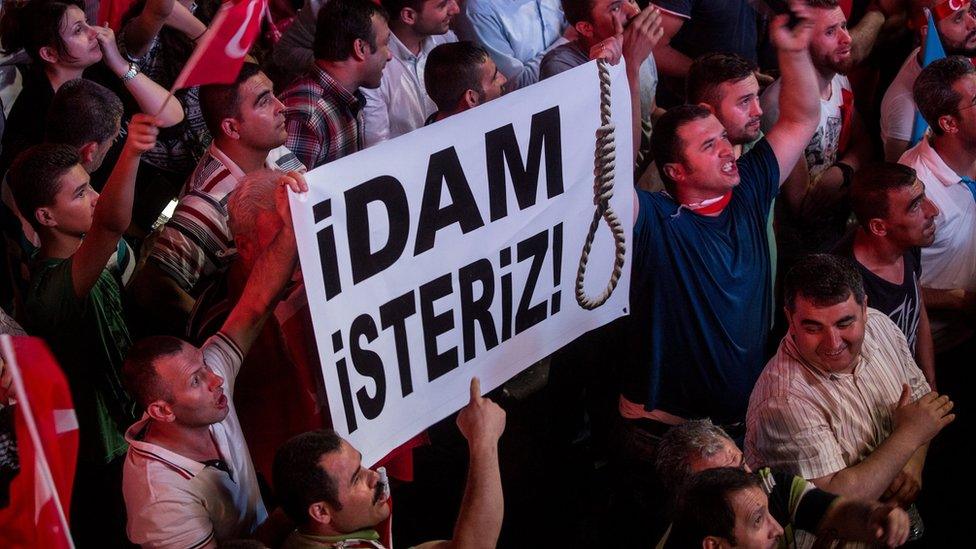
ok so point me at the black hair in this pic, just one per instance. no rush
(704, 507)
(340, 23)
(710, 71)
(139, 374)
(578, 10)
(453, 69)
(933, 91)
(299, 480)
(83, 111)
(824, 279)
(35, 176)
(220, 101)
(33, 25)
(871, 185)
(666, 145)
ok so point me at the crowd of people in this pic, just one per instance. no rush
(793, 370)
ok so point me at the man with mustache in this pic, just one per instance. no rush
(248, 125)
(955, 21)
(188, 477)
(895, 220)
(401, 104)
(335, 502)
(811, 215)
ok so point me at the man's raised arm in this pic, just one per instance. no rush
(799, 96)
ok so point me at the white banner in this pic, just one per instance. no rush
(452, 252)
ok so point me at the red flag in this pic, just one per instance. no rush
(220, 53)
(47, 444)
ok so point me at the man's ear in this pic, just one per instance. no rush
(948, 124)
(711, 542)
(409, 16)
(87, 152)
(584, 28)
(877, 227)
(360, 49)
(160, 410)
(231, 128)
(49, 54)
(320, 512)
(789, 318)
(674, 171)
(707, 106)
(470, 99)
(45, 217)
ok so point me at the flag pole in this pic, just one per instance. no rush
(24, 404)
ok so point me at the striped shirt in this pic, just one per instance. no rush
(324, 119)
(197, 241)
(175, 501)
(810, 423)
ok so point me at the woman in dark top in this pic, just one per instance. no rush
(62, 46)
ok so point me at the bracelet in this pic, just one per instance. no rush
(131, 73)
(847, 171)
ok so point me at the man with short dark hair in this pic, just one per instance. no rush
(698, 445)
(729, 507)
(727, 84)
(701, 246)
(188, 476)
(842, 402)
(400, 104)
(196, 244)
(325, 107)
(460, 76)
(955, 22)
(335, 502)
(895, 220)
(946, 165)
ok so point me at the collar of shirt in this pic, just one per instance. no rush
(933, 161)
(403, 53)
(361, 538)
(353, 100)
(187, 467)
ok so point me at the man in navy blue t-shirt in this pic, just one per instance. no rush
(700, 294)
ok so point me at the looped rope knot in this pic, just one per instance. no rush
(604, 166)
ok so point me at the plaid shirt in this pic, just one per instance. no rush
(324, 120)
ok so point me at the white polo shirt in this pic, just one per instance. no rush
(174, 501)
(950, 262)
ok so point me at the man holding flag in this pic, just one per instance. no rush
(946, 27)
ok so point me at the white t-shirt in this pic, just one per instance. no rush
(950, 262)
(821, 151)
(898, 105)
(174, 501)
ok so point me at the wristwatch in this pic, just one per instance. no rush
(131, 73)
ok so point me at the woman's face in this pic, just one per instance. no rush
(81, 47)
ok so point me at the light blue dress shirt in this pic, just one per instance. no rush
(517, 34)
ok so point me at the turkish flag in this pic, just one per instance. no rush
(47, 445)
(220, 54)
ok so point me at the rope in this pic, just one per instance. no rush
(603, 170)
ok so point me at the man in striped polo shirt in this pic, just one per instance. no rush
(248, 125)
(842, 403)
(188, 477)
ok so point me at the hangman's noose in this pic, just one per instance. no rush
(603, 171)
